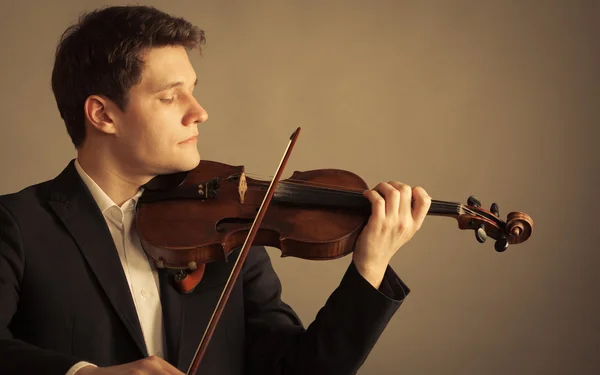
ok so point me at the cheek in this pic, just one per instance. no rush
(154, 139)
(146, 131)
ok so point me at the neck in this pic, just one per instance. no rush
(292, 193)
(110, 174)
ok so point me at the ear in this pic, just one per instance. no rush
(97, 112)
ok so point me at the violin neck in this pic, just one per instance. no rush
(307, 195)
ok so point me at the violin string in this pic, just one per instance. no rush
(336, 189)
(303, 186)
(355, 192)
(449, 207)
(316, 183)
(330, 187)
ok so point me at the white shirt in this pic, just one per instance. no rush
(140, 271)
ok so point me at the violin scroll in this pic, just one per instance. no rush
(517, 228)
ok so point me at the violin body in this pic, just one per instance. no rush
(181, 226)
(201, 216)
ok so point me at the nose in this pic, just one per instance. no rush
(196, 113)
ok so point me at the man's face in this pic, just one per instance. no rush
(153, 134)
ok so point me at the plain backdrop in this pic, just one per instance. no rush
(498, 99)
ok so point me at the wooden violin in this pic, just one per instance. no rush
(186, 220)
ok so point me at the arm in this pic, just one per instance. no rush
(340, 338)
(348, 326)
(16, 356)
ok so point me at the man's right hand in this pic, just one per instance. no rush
(152, 365)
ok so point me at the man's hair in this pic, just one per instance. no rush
(100, 55)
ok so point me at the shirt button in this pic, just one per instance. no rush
(145, 293)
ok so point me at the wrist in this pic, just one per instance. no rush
(371, 272)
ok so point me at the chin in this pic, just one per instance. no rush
(181, 166)
(179, 163)
(189, 162)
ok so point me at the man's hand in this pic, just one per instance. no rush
(152, 365)
(397, 214)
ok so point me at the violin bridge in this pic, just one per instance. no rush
(242, 187)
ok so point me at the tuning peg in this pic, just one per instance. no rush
(494, 209)
(473, 201)
(480, 234)
(501, 245)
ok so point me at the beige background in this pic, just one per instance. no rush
(493, 98)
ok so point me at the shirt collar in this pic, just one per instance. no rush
(102, 199)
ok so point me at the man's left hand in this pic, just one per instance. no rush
(397, 213)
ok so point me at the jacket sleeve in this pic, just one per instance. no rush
(337, 342)
(16, 356)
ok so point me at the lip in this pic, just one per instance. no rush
(191, 139)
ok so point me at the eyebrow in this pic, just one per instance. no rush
(173, 84)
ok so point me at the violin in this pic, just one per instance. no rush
(188, 219)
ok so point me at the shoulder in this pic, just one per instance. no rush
(24, 202)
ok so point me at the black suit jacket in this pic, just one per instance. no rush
(64, 298)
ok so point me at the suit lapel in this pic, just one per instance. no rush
(76, 208)
(185, 316)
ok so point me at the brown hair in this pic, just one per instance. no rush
(101, 55)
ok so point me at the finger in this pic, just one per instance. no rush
(160, 366)
(167, 368)
(391, 195)
(421, 206)
(404, 207)
(377, 204)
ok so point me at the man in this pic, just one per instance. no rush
(77, 292)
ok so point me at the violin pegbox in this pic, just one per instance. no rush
(487, 223)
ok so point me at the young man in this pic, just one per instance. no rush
(77, 292)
